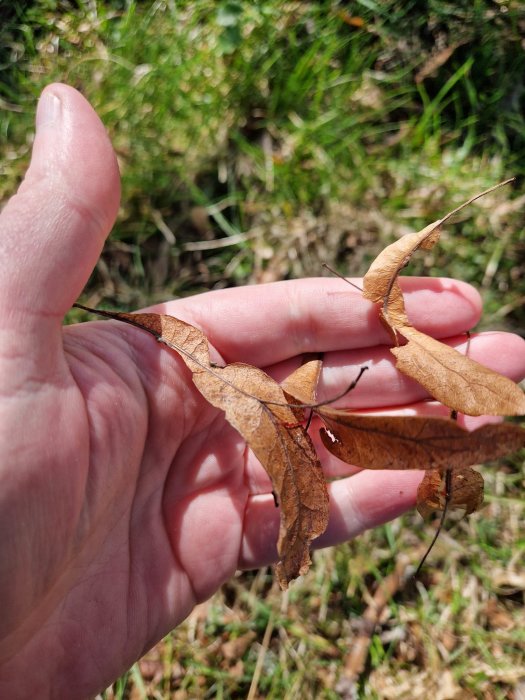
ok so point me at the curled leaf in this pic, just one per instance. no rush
(301, 385)
(456, 381)
(380, 283)
(465, 491)
(284, 449)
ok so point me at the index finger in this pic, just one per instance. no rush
(267, 323)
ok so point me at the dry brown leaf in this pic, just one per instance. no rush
(301, 385)
(414, 442)
(380, 282)
(465, 491)
(255, 405)
(455, 380)
(236, 647)
(284, 449)
(435, 61)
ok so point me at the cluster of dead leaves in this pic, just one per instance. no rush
(271, 417)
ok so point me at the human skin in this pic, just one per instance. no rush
(125, 498)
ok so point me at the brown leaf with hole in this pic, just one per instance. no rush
(414, 442)
(466, 491)
(455, 380)
(256, 406)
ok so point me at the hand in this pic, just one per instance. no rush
(125, 498)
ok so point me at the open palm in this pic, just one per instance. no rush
(125, 498)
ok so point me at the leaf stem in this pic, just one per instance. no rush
(476, 196)
(448, 494)
(125, 318)
(342, 277)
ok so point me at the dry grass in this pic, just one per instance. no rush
(456, 633)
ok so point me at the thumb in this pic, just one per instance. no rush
(52, 231)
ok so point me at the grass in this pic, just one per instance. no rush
(257, 141)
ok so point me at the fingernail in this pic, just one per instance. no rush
(49, 110)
